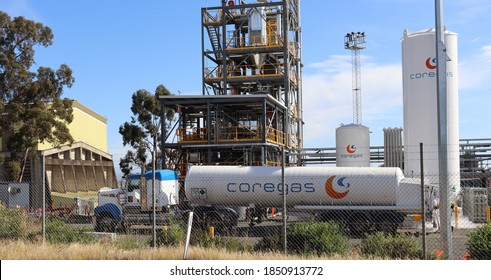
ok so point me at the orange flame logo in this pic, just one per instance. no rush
(333, 193)
(351, 149)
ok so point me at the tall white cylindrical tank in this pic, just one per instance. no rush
(352, 146)
(421, 106)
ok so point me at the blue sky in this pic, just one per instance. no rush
(117, 47)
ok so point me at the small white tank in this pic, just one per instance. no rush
(352, 146)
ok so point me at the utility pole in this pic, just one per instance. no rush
(441, 75)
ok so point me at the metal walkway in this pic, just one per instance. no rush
(475, 154)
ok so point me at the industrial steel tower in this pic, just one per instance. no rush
(251, 105)
(353, 42)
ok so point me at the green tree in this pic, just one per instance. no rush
(32, 109)
(138, 158)
(143, 132)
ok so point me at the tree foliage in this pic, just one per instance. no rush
(142, 133)
(32, 109)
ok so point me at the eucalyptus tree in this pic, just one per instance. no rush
(143, 131)
(32, 109)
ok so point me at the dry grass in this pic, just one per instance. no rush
(21, 250)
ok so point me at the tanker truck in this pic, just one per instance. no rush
(361, 199)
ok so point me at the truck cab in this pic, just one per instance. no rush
(132, 203)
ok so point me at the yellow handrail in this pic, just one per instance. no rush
(230, 134)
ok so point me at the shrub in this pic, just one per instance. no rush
(270, 244)
(308, 239)
(479, 243)
(13, 223)
(392, 247)
(317, 238)
(173, 236)
(14, 170)
(58, 232)
(201, 238)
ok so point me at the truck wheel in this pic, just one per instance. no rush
(105, 223)
(359, 224)
(216, 222)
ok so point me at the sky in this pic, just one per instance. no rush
(117, 47)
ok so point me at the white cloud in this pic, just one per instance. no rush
(486, 53)
(474, 72)
(327, 96)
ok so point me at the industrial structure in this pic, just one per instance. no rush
(251, 103)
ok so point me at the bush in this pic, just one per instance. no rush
(14, 170)
(308, 239)
(479, 243)
(58, 232)
(392, 247)
(317, 238)
(13, 223)
(270, 244)
(173, 236)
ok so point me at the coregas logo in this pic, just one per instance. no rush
(430, 64)
(340, 183)
(351, 149)
(351, 152)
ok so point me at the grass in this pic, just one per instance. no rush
(22, 250)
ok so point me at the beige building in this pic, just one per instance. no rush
(82, 166)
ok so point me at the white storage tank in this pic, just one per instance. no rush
(352, 146)
(311, 187)
(421, 106)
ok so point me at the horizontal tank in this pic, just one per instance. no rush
(315, 186)
(352, 146)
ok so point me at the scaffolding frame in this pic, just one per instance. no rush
(251, 102)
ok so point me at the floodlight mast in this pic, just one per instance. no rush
(353, 41)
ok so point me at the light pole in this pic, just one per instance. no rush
(154, 214)
(353, 41)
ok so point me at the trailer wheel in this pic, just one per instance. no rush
(359, 224)
(387, 226)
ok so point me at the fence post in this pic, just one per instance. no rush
(423, 212)
(188, 235)
(285, 250)
(44, 198)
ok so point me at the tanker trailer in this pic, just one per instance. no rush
(359, 198)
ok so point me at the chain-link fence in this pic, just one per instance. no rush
(351, 213)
